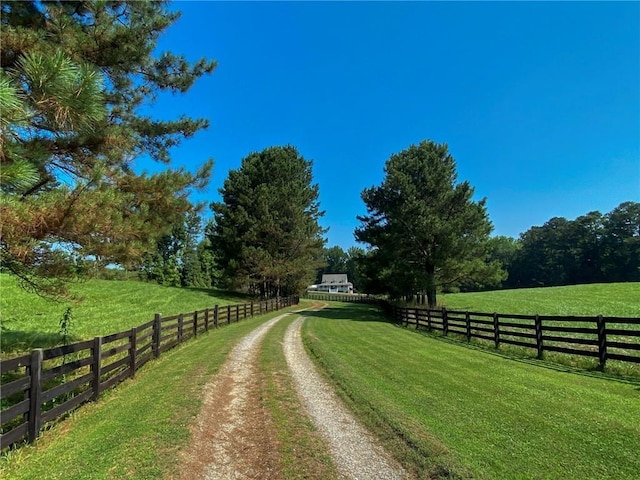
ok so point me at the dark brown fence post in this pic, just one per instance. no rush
(602, 341)
(445, 321)
(415, 314)
(496, 330)
(35, 395)
(252, 308)
(428, 319)
(538, 327)
(157, 325)
(180, 328)
(96, 367)
(467, 319)
(216, 312)
(206, 320)
(244, 313)
(237, 313)
(195, 323)
(228, 314)
(133, 344)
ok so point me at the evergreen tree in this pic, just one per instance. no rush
(266, 237)
(424, 229)
(621, 243)
(355, 272)
(74, 78)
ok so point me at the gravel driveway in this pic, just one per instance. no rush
(234, 436)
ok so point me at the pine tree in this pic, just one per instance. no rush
(74, 78)
(266, 237)
(424, 229)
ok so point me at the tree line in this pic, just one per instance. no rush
(592, 248)
(75, 80)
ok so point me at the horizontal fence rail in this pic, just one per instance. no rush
(601, 337)
(47, 384)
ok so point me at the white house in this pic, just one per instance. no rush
(333, 283)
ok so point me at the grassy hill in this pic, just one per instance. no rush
(612, 299)
(107, 306)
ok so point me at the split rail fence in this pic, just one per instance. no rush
(46, 384)
(600, 337)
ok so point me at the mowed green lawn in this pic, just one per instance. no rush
(107, 306)
(609, 299)
(444, 408)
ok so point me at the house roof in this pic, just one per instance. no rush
(334, 278)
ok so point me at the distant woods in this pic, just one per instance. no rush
(592, 248)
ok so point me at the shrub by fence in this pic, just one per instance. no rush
(600, 337)
(45, 385)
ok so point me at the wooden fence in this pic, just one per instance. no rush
(343, 297)
(600, 337)
(45, 385)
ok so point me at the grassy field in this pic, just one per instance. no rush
(136, 430)
(107, 306)
(612, 299)
(445, 409)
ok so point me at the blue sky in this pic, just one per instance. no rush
(539, 102)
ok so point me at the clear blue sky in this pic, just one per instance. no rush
(538, 102)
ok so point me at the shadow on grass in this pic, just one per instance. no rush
(14, 342)
(352, 312)
(225, 295)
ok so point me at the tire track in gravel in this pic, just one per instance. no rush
(234, 436)
(356, 452)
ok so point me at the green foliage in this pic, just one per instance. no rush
(74, 78)
(65, 325)
(178, 259)
(354, 271)
(334, 260)
(423, 227)
(265, 236)
(591, 248)
(449, 411)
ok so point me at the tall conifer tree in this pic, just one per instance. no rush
(266, 235)
(424, 228)
(75, 77)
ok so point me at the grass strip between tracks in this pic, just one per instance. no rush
(303, 453)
